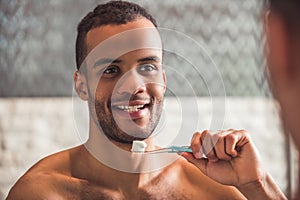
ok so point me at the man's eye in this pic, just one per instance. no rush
(111, 70)
(147, 68)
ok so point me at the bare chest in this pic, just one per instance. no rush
(150, 193)
(155, 192)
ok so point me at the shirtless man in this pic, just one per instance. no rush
(129, 89)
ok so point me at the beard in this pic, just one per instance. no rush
(109, 126)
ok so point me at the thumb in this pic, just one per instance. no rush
(200, 163)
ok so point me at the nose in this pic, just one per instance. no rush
(132, 83)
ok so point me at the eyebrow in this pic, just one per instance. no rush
(149, 58)
(103, 61)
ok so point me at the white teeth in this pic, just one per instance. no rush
(130, 108)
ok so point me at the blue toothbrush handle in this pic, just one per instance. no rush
(178, 149)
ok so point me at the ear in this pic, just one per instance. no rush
(165, 81)
(80, 86)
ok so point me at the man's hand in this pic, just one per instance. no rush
(231, 157)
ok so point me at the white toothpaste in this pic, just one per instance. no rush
(138, 146)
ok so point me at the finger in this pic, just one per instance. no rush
(200, 163)
(235, 141)
(208, 142)
(196, 145)
(220, 149)
(230, 146)
(244, 138)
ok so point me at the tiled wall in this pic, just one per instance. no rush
(37, 45)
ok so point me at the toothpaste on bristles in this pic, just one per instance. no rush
(138, 146)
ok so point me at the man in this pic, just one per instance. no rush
(120, 75)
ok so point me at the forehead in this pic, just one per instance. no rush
(134, 35)
(116, 40)
(97, 35)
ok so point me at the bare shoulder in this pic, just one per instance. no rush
(50, 178)
(38, 186)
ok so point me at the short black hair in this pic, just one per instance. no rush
(113, 12)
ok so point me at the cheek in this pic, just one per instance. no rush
(160, 87)
(102, 92)
(158, 91)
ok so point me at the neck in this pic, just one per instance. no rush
(118, 163)
(117, 155)
(121, 166)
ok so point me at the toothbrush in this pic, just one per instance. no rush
(140, 146)
(171, 149)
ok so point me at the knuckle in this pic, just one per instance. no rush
(230, 137)
(243, 131)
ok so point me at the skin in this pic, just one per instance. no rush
(76, 174)
(127, 76)
(284, 63)
(284, 70)
(232, 159)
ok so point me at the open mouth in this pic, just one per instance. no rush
(133, 108)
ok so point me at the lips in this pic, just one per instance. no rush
(135, 109)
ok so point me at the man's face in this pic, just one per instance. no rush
(126, 89)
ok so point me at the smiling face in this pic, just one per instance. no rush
(125, 80)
